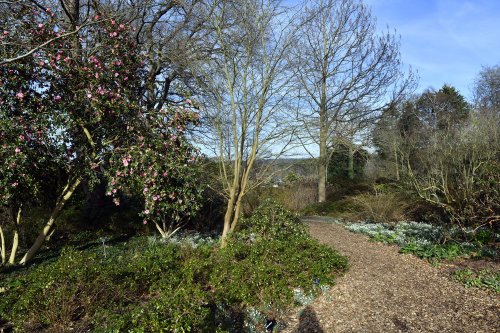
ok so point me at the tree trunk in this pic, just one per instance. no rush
(322, 180)
(397, 162)
(350, 163)
(15, 239)
(48, 228)
(228, 217)
(2, 246)
(323, 158)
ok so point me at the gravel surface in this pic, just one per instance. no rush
(385, 291)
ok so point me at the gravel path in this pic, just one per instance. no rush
(385, 291)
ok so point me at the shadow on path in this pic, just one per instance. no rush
(308, 322)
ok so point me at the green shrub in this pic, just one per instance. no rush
(272, 221)
(266, 272)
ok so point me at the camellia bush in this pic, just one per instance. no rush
(73, 101)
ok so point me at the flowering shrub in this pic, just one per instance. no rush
(161, 168)
(78, 101)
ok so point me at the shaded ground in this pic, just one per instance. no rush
(385, 291)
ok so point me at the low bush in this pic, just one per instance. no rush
(382, 207)
(272, 221)
(484, 278)
(186, 284)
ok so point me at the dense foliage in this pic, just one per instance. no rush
(186, 284)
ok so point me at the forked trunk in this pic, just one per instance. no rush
(49, 226)
(228, 221)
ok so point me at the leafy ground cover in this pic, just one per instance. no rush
(186, 284)
(437, 244)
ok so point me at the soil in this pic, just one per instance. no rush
(386, 291)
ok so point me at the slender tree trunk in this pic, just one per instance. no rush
(2, 244)
(48, 228)
(323, 157)
(397, 163)
(15, 239)
(350, 163)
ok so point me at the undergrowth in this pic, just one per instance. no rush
(186, 284)
(480, 279)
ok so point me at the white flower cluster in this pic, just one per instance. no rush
(401, 234)
(192, 239)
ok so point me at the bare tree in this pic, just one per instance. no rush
(250, 87)
(487, 88)
(346, 73)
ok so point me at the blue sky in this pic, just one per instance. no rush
(446, 41)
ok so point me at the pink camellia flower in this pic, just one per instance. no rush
(40, 26)
(146, 211)
(108, 193)
(125, 162)
(114, 190)
(113, 22)
(145, 222)
(116, 74)
(20, 95)
(5, 33)
(17, 150)
(57, 98)
(21, 137)
(188, 101)
(126, 78)
(41, 63)
(122, 26)
(89, 95)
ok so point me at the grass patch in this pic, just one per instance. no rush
(185, 285)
